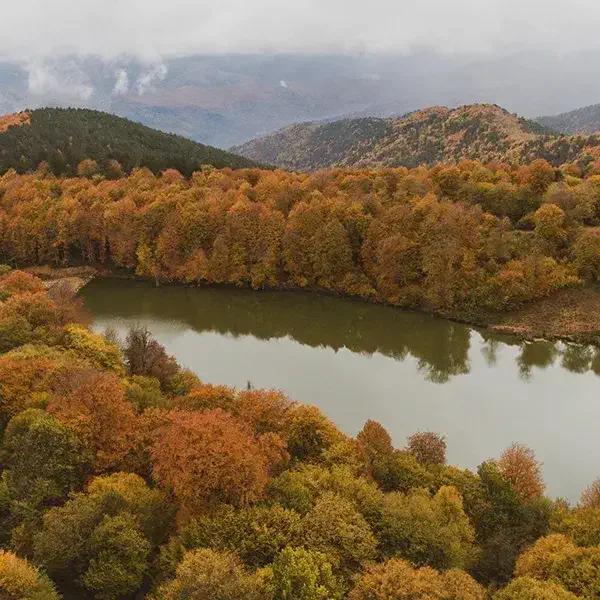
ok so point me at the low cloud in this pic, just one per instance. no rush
(152, 75)
(61, 80)
(121, 83)
(155, 30)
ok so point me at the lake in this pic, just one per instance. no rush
(357, 361)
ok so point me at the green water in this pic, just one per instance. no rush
(358, 361)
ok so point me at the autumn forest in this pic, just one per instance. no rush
(462, 240)
(125, 476)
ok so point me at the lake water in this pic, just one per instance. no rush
(358, 361)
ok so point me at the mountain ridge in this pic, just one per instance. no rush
(63, 137)
(436, 134)
(584, 120)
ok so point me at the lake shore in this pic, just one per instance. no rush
(571, 315)
(72, 278)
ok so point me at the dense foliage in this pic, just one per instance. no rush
(123, 476)
(458, 240)
(433, 135)
(65, 137)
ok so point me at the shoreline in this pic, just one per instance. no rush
(571, 315)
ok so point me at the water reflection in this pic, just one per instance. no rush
(440, 347)
(357, 361)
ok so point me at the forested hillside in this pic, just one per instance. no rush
(457, 240)
(63, 138)
(584, 120)
(481, 132)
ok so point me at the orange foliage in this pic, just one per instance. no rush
(519, 465)
(93, 405)
(208, 457)
(19, 282)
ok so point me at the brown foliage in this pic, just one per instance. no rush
(590, 497)
(519, 466)
(396, 579)
(19, 282)
(427, 447)
(208, 457)
(145, 356)
(93, 405)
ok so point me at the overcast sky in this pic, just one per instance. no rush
(158, 29)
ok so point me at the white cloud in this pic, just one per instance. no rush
(283, 83)
(154, 73)
(154, 30)
(122, 83)
(64, 80)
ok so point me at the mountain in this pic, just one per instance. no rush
(479, 131)
(584, 120)
(228, 99)
(64, 137)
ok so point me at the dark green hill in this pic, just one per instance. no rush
(64, 137)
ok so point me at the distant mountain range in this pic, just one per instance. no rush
(581, 120)
(480, 131)
(227, 100)
(65, 137)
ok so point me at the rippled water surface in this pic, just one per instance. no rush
(358, 361)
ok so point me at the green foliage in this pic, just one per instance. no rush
(119, 553)
(300, 574)
(210, 575)
(101, 539)
(144, 392)
(556, 559)
(582, 525)
(428, 531)
(64, 137)
(300, 488)
(44, 461)
(335, 528)
(256, 534)
(310, 433)
(101, 353)
(507, 526)
(400, 471)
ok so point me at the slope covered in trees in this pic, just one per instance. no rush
(584, 120)
(460, 240)
(63, 138)
(482, 132)
(124, 476)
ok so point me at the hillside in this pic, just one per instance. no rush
(65, 137)
(480, 131)
(584, 120)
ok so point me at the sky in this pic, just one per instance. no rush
(153, 30)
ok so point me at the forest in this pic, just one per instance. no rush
(464, 240)
(124, 476)
(433, 135)
(63, 137)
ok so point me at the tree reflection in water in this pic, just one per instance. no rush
(440, 347)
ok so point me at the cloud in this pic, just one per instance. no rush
(283, 83)
(146, 79)
(64, 80)
(122, 83)
(155, 30)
